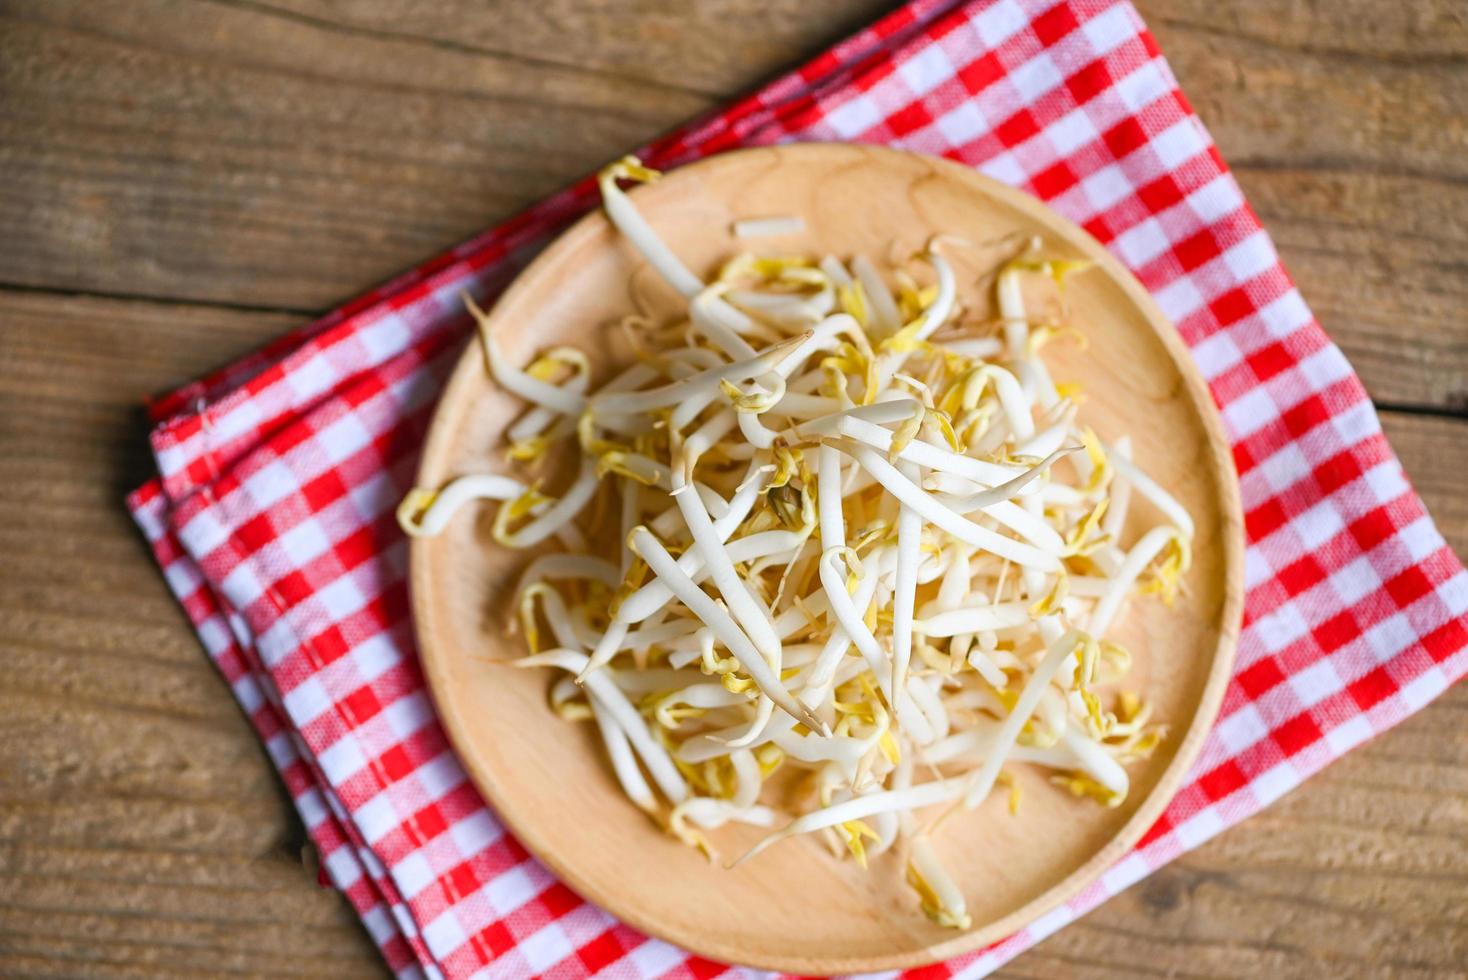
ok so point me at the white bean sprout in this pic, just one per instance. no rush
(830, 555)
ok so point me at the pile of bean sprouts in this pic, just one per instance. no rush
(829, 523)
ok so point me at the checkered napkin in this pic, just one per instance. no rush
(272, 514)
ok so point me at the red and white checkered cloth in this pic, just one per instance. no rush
(272, 515)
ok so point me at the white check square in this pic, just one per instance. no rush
(1285, 468)
(1106, 187)
(1143, 87)
(1355, 581)
(1420, 539)
(1418, 692)
(962, 124)
(413, 874)
(1177, 144)
(1004, 167)
(1324, 367)
(385, 338)
(1125, 873)
(510, 889)
(1142, 243)
(1349, 734)
(926, 70)
(1389, 637)
(1199, 828)
(1250, 257)
(310, 380)
(303, 543)
(440, 775)
(1316, 682)
(1110, 30)
(444, 934)
(1386, 480)
(1281, 627)
(341, 597)
(1216, 354)
(376, 818)
(242, 587)
(1071, 132)
(343, 760)
(1318, 525)
(854, 118)
(343, 868)
(307, 701)
(1284, 315)
(1036, 77)
(1216, 200)
(407, 715)
(1000, 22)
(1270, 785)
(475, 832)
(545, 947)
(1241, 729)
(342, 439)
(1249, 412)
(1180, 298)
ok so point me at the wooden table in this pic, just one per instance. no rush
(182, 179)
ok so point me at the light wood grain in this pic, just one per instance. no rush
(1141, 381)
(195, 150)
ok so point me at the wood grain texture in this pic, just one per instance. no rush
(286, 153)
(142, 829)
(278, 156)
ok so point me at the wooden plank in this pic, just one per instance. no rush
(1345, 124)
(143, 832)
(236, 153)
(287, 154)
(1412, 33)
(223, 153)
(714, 49)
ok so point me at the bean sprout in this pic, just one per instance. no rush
(789, 224)
(827, 525)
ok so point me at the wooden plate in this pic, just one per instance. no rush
(796, 908)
